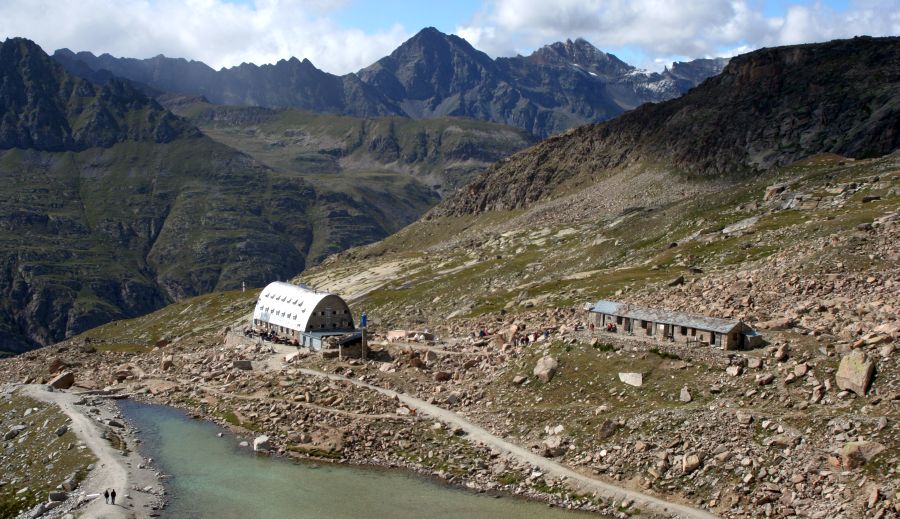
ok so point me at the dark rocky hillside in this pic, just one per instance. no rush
(112, 206)
(767, 108)
(43, 108)
(431, 75)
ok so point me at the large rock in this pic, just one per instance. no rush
(857, 454)
(855, 372)
(63, 380)
(261, 443)
(607, 429)
(632, 379)
(242, 364)
(55, 365)
(782, 323)
(57, 496)
(685, 395)
(167, 362)
(554, 446)
(690, 463)
(545, 368)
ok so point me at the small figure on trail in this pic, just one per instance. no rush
(106, 495)
(546, 334)
(112, 496)
(481, 333)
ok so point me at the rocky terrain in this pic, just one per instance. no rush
(478, 317)
(767, 108)
(559, 86)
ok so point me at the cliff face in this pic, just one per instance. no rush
(44, 108)
(767, 108)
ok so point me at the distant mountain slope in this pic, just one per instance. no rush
(111, 206)
(431, 75)
(767, 108)
(371, 176)
(443, 153)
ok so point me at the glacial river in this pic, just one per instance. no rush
(215, 478)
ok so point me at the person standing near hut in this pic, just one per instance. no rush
(106, 495)
(112, 496)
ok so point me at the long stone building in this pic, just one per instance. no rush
(728, 334)
(301, 314)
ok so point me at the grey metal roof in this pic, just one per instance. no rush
(700, 322)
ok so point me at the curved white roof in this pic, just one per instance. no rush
(287, 305)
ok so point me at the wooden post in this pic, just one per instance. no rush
(365, 344)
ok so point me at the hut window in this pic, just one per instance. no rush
(618, 319)
(693, 332)
(683, 330)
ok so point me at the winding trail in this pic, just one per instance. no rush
(110, 471)
(575, 479)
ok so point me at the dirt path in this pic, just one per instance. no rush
(577, 480)
(112, 470)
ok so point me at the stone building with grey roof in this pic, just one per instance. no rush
(727, 334)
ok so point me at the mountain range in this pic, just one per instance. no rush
(112, 206)
(433, 74)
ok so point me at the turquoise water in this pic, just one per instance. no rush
(215, 478)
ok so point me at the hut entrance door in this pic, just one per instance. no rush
(329, 317)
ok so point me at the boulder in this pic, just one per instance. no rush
(553, 446)
(677, 281)
(167, 362)
(607, 429)
(733, 370)
(855, 372)
(743, 417)
(62, 381)
(632, 379)
(782, 323)
(261, 443)
(857, 454)
(773, 190)
(783, 440)
(545, 368)
(519, 379)
(764, 379)
(690, 463)
(57, 496)
(13, 432)
(685, 395)
(61, 430)
(242, 364)
(55, 365)
(442, 376)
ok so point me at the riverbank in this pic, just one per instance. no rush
(98, 425)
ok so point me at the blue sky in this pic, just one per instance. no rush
(342, 36)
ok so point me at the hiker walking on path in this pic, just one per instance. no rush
(106, 495)
(112, 496)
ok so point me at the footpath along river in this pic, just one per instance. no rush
(214, 477)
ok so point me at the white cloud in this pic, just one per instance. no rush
(663, 29)
(216, 32)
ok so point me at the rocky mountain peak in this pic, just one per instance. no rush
(43, 107)
(582, 54)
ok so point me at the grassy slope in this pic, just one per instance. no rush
(37, 460)
(466, 267)
(474, 266)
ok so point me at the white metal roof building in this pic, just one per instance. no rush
(301, 313)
